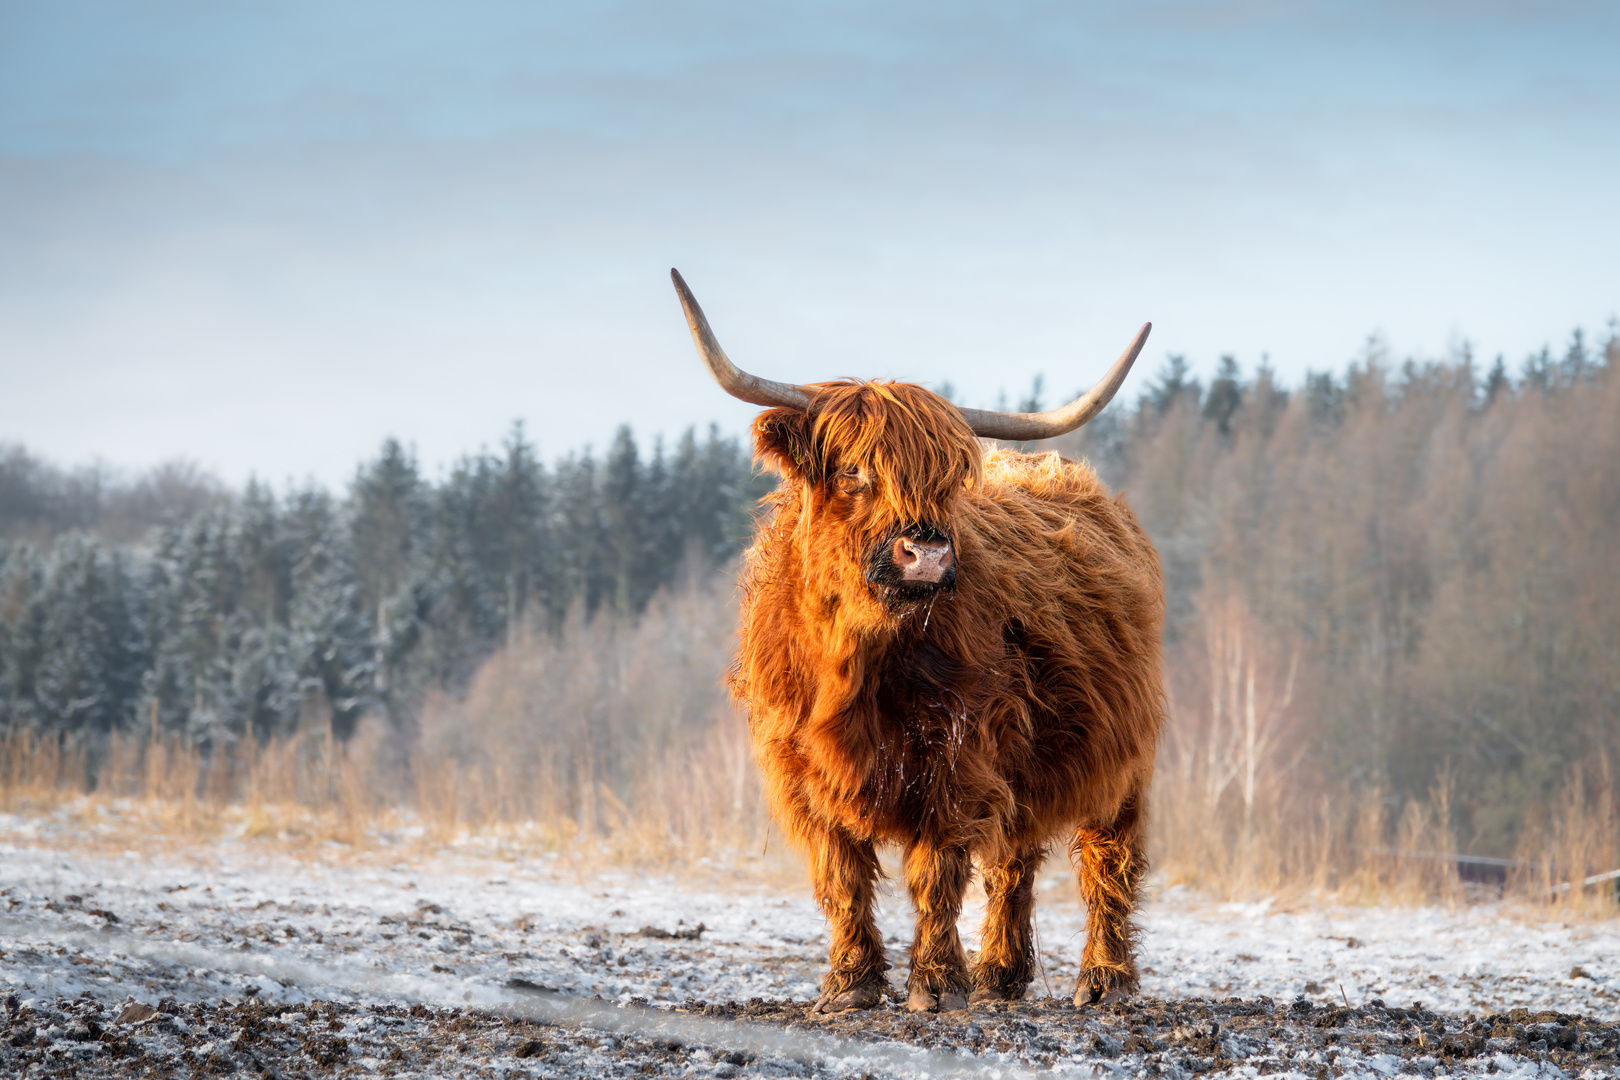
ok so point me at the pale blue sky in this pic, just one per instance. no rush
(265, 236)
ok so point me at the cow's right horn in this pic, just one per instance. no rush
(735, 381)
(1027, 427)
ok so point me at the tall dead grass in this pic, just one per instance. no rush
(304, 787)
(1240, 811)
(37, 771)
(1569, 848)
(621, 736)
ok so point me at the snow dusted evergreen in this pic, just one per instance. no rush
(242, 613)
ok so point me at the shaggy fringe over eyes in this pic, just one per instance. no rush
(917, 447)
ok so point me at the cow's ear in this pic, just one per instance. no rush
(782, 441)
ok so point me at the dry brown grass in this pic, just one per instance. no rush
(1237, 814)
(701, 806)
(297, 789)
(622, 738)
(313, 794)
(36, 772)
(1576, 838)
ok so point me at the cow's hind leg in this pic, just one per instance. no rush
(846, 872)
(937, 877)
(1006, 962)
(1111, 862)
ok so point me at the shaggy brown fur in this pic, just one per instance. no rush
(981, 721)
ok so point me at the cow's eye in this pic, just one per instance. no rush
(850, 479)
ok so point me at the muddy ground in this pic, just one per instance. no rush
(89, 1037)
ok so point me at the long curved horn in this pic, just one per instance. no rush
(1027, 427)
(732, 379)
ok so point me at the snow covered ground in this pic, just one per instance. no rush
(481, 918)
(238, 920)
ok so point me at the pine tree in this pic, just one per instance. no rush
(624, 527)
(1225, 395)
(328, 627)
(1539, 370)
(1172, 384)
(22, 634)
(1324, 397)
(578, 548)
(389, 520)
(1496, 382)
(91, 652)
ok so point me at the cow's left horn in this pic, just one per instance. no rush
(732, 379)
(1027, 427)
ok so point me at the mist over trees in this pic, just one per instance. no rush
(1399, 579)
(39, 501)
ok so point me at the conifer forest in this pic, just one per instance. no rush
(176, 605)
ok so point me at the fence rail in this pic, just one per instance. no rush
(1485, 870)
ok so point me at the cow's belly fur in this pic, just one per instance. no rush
(969, 776)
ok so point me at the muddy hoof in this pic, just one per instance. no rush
(922, 1000)
(1101, 987)
(865, 996)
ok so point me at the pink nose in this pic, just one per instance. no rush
(922, 560)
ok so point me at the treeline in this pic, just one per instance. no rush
(248, 614)
(1404, 580)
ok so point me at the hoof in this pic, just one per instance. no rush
(1101, 986)
(989, 995)
(922, 1000)
(865, 996)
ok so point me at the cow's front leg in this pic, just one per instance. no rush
(846, 872)
(1006, 962)
(936, 877)
(1111, 861)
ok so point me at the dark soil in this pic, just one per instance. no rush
(1179, 1038)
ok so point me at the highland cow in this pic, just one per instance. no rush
(953, 648)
